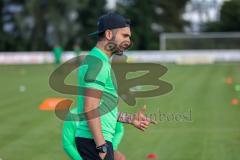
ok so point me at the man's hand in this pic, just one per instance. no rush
(140, 121)
(102, 155)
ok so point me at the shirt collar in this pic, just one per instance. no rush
(101, 53)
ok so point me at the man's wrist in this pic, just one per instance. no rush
(99, 143)
(99, 139)
(125, 118)
(102, 148)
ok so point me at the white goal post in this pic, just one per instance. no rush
(207, 36)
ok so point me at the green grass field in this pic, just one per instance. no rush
(26, 133)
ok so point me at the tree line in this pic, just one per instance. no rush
(38, 25)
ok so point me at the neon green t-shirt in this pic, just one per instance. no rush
(57, 54)
(95, 72)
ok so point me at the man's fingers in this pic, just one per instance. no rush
(141, 128)
(151, 121)
(145, 122)
(144, 126)
(144, 108)
(102, 155)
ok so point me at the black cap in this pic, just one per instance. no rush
(110, 21)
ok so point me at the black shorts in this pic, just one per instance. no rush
(87, 149)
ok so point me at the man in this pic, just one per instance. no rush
(98, 97)
(68, 138)
(57, 52)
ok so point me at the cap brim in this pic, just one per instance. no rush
(94, 33)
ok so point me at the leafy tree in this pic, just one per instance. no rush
(150, 18)
(88, 16)
(229, 18)
(1, 26)
(43, 24)
(53, 22)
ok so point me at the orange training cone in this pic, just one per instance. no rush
(50, 103)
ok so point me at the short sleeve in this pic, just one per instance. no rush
(96, 74)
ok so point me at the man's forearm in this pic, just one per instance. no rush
(93, 116)
(125, 117)
(96, 129)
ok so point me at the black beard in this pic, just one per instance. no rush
(119, 53)
(117, 49)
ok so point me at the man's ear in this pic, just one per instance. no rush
(108, 34)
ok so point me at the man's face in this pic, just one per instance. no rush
(120, 40)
